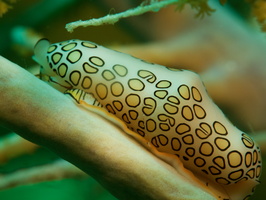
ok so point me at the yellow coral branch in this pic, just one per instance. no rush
(200, 5)
(259, 11)
(4, 7)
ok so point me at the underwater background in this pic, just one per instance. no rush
(185, 39)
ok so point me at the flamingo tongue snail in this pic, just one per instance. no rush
(168, 108)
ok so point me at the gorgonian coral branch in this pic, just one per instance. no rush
(118, 162)
(154, 6)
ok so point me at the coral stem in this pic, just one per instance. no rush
(154, 6)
